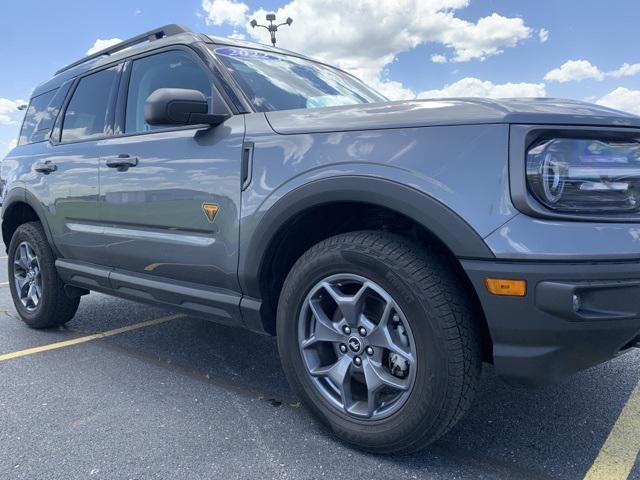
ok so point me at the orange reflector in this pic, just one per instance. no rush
(502, 286)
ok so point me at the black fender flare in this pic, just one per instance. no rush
(21, 195)
(439, 219)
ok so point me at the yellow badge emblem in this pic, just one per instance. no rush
(210, 210)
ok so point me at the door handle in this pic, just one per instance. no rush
(122, 162)
(45, 167)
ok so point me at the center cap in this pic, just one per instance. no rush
(355, 345)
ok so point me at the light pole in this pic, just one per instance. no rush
(272, 28)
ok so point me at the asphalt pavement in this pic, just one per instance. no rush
(184, 398)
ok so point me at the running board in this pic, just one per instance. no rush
(218, 305)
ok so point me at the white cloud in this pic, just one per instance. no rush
(436, 58)
(574, 70)
(622, 99)
(479, 40)
(12, 143)
(225, 11)
(392, 89)
(101, 44)
(626, 70)
(9, 112)
(238, 35)
(474, 87)
(326, 29)
(543, 35)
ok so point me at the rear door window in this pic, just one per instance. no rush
(87, 114)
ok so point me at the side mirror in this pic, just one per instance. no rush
(179, 106)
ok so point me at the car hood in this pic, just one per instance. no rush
(450, 111)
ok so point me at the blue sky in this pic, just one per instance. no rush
(405, 48)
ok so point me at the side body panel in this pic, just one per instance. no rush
(457, 169)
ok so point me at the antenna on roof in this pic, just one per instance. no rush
(150, 36)
(272, 28)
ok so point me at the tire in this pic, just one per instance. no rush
(54, 307)
(436, 319)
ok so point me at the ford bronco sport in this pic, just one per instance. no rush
(392, 247)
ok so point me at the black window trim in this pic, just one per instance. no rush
(123, 91)
(56, 132)
(108, 133)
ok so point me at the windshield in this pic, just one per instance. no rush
(281, 82)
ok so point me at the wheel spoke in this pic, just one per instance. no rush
(339, 374)
(381, 337)
(18, 264)
(30, 255)
(22, 260)
(30, 295)
(20, 282)
(324, 328)
(377, 377)
(349, 305)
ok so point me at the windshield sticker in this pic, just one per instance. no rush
(244, 53)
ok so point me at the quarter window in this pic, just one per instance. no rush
(38, 112)
(175, 69)
(86, 114)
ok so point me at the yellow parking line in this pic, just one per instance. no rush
(88, 338)
(618, 454)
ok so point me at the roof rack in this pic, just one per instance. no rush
(150, 36)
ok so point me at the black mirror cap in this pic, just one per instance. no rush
(179, 106)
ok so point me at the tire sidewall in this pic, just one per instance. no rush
(422, 407)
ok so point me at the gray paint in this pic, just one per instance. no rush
(448, 111)
(538, 239)
(142, 234)
(162, 196)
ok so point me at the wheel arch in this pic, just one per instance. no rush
(20, 206)
(341, 204)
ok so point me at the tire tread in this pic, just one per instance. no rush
(430, 272)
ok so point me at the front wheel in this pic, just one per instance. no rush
(378, 340)
(37, 290)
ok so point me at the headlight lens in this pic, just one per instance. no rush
(585, 176)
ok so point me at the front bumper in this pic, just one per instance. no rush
(574, 316)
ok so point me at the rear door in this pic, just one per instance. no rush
(66, 173)
(154, 212)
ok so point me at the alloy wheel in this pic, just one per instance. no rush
(357, 346)
(27, 276)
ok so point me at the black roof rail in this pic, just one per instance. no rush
(155, 34)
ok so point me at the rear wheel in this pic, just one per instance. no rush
(37, 291)
(378, 340)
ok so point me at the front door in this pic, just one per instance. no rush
(172, 214)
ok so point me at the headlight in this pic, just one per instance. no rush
(585, 176)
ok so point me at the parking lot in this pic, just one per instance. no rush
(176, 397)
